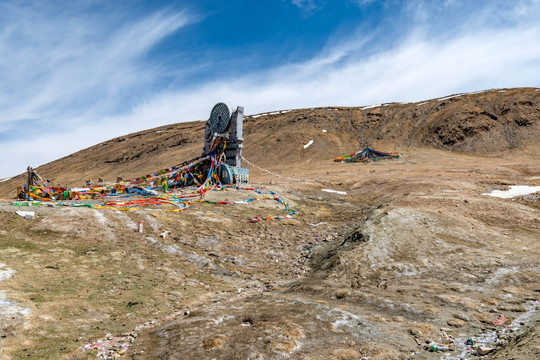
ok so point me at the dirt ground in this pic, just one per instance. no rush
(412, 256)
(387, 260)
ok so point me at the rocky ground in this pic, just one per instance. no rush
(412, 256)
(387, 260)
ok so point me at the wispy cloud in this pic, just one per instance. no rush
(63, 70)
(362, 3)
(308, 7)
(58, 61)
(478, 53)
(417, 69)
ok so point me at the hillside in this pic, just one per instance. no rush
(487, 122)
(395, 259)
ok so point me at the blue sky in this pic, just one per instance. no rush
(73, 74)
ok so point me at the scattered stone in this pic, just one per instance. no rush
(511, 290)
(462, 316)
(456, 322)
(331, 327)
(509, 320)
(342, 294)
(484, 350)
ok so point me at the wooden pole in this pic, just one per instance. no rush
(30, 176)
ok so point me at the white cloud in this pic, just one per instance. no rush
(65, 70)
(308, 7)
(69, 60)
(362, 3)
(419, 68)
(304, 4)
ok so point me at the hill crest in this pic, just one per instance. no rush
(485, 122)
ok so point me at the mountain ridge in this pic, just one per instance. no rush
(484, 123)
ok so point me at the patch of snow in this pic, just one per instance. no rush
(370, 107)
(502, 91)
(100, 217)
(335, 191)
(405, 269)
(479, 92)
(500, 272)
(5, 273)
(174, 249)
(220, 319)
(9, 308)
(158, 131)
(268, 113)
(151, 239)
(278, 112)
(346, 319)
(514, 191)
(308, 144)
(124, 219)
(317, 224)
(450, 97)
(424, 103)
(6, 179)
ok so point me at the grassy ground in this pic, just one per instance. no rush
(80, 287)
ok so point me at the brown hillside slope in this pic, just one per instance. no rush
(481, 123)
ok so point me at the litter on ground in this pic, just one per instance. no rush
(28, 215)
